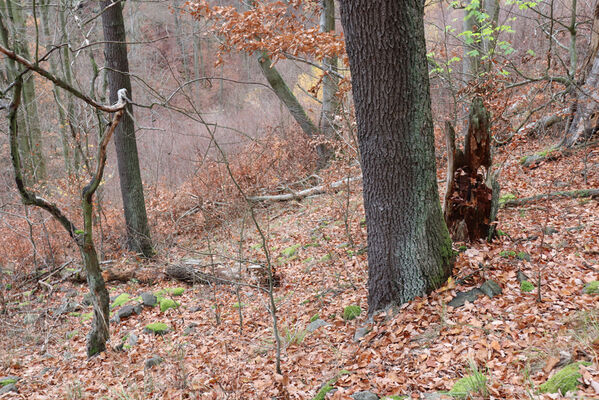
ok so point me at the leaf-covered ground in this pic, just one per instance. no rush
(221, 343)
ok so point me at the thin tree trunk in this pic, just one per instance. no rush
(330, 83)
(409, 248)
(286, 95)
(115, 52)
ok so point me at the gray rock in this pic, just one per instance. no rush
(491, 288)
(365, 395)
(533, 161)
(153, 361)
(360, 333)
(67, 307)
(132, 339)
(521, 276)
(549, 230)
(87, 299)
(190, 329)
(149, 300)
(461, 298)
(125, 312)
(196, 308)
(433, 396)
(29, 318)
(115, 319)
(314, 325)
(11, 387)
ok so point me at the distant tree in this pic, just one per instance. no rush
(409, 248)
(115, 52)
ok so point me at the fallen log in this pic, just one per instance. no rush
(573, 194)
(188, 273)
(307, 192)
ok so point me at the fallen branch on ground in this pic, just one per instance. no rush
(573, 194)
(307, 192)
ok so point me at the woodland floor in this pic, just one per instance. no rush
(423, 348)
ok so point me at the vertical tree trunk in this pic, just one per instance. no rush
(330, 82)
(115, 52)
(30, 144)
(471, 196)
(409, 248)
(586, 118)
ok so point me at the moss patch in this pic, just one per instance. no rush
(591, 288)
(7, 381)
(327, 387)
(351, 312)
(565, 380)
(157, 328)
(120, 300)
(290, 251)
(165, 304)
(527, 287)
(470, 384)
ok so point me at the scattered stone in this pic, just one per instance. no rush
(461, 297)
(351, 312)
(115, 319)
(157, 328)
(11, 387)
(365, 395)
(132, 339)
(149, 300)
(314, 325)
(125, 312)
(196, 308)
(67, 307)
(190, 329)
(360, 333)
(153, 361)
(532, 161)
(565, 380)
(434, 396)
(521, 276)
(7, 380)
(549, 230)
(491, 288)
(591, 288)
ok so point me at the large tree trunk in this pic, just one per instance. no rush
(115, 52)
(471, 195)
(586, 118)
(409, 248)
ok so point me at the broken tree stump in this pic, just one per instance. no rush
(472, 192)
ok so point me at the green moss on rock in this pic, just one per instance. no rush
(120, 300)
(177, 291)
(591, 288)
(351, 312)
(565, 380)
(470, 384)
(157, 328)
(527, 287)
(7, 381)
(291, 250)
(165, 304)
(394, 397)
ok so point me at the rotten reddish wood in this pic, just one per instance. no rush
(470, 202)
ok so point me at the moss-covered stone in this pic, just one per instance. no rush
(8, 380)
(120, 300)
(565, 380)
(327, 387)
(315, 317)
(351, 312)
(291, 250)
(394, 397)
(526, 286)
(157, 328)
(165, 304)
(470, 384)
(591, 288)
(177, 291)
(524, 256)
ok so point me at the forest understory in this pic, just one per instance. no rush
(220, 342)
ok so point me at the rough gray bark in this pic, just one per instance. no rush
(586, 119)
(115, 53)
(409, 248)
